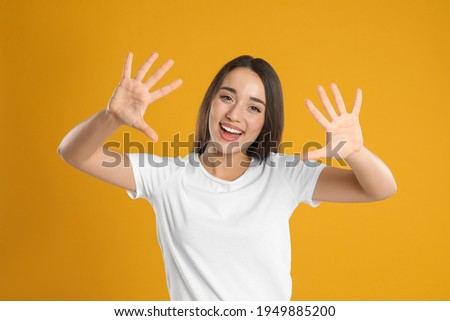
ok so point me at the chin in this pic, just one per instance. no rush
(223, 148)
(228, 148)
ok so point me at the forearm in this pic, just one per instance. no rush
(87, 137)
(372, 174)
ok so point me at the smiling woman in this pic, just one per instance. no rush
(233, 112)
(243, 84)
(223, 210)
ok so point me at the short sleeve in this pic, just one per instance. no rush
(149, 171)
(301, 177)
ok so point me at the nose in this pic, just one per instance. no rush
(235, 113)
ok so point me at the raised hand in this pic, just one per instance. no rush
(132, 97)
(344, 135)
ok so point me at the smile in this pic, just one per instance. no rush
(231, 130)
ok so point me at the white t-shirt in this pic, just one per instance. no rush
(225, 240)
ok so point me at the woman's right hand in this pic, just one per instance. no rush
(132, 97)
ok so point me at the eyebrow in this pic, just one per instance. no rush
(251, 98)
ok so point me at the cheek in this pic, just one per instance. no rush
(214, 111)
(258, 124)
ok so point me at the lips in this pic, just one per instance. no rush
(229, 133)
(228, 128)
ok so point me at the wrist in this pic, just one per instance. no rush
(109, 119)
(355, 155)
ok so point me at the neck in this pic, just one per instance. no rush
(225, 166)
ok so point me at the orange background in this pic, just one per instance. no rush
(67, 236)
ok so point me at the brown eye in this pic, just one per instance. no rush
(254, 108)
(226, 98)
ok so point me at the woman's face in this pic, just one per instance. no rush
(237, 111)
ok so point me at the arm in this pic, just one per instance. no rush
(82, 149)
(369, 178)
(82, 146)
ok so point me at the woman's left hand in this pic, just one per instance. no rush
(344, 135)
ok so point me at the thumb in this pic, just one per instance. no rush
(147, 130)
(314, 154)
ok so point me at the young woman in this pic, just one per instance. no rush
(223, 210)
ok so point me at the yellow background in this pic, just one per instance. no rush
(67, 236)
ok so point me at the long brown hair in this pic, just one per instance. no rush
(272, 130)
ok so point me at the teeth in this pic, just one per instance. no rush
(231, 130)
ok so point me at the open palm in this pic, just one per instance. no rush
(132, 96)
(344, 135)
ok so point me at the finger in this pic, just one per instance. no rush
(326, 103)
(146, 66)
(358, 102)
(158, 74)
(166, 89)
(146, 129)
(316, 114)
(338, 98)
(127, 66)
(314, 154)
